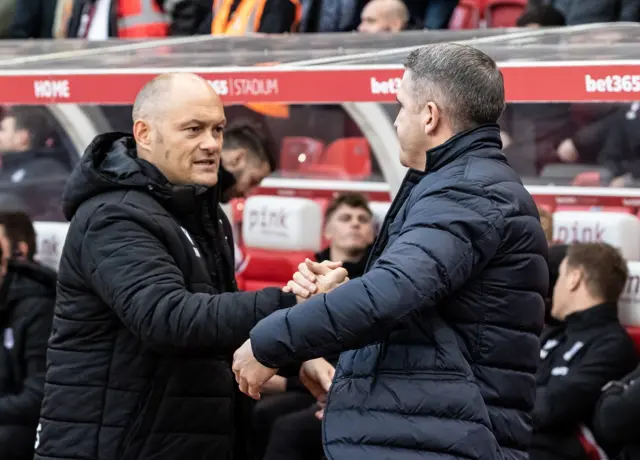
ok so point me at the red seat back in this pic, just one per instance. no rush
(348, 158)
(634, 333)
(466, 15)
(265, 268)
(296, 152)
(504, 13)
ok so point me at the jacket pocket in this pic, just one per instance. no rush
(444, 375)
(141, 423)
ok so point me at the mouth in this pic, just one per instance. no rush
(205, 162)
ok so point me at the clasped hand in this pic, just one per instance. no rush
(311, 278)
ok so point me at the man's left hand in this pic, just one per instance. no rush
(250, 374)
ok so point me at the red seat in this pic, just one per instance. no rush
(266, 268)
(466, 15)
(634, 333)
(296, 152)
(347, 158)
(587, 179)
(504, 13)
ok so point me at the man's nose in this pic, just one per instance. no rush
(210, 143)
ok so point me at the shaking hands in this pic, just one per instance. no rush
(310, 279)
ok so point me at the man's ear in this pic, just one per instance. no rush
(142, 134)
(431, 117)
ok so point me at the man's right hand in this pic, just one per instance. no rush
(317, 375)
(314, 278)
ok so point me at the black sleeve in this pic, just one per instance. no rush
(590, 139)
(278, 17)
(130, 268)
(26, 20)
(24, 407)
(573, 396)
(186, 15)
(617, 414)
(446, 238)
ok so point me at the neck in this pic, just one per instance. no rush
(582, 303)
(342, 255)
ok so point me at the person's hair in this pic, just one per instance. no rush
(35, 121)
(351, 199)
(19, 227)
(245, 134)
(462, 81)
(152, 95)
(545, 15)
(604, 268)
(546, 220)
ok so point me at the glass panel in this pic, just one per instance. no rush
(37, 156)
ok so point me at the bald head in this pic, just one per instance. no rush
(384, 16)
(157, 95)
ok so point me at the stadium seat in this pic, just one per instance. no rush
(50, 238)
(504, 13)
(565, 174)
(620, 229)
(347, 159)
(278, 234)
(466, 15)
(298, 151)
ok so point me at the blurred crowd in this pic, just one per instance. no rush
(102, 19)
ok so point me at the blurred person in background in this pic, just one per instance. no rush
(384, 16)
(25, 134)
(617, 417)
(33, 19)
(581, 354)
(546, 220)
(594, 11)
(288, 424)
(7, 11)
(557, 253)
(239, 17)
(247, 158)
(330, 15)
(27, 297)
(432, 14)
(541, 16)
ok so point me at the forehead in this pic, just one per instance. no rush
(371, 10)
(8, 122)
(205, 110)
(345, 209)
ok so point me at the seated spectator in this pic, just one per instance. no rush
(541, 16)
(432, 14)
(557, 253)
(579, 356)
(247, 158)
(337, 16)
(384, 16)
(288, 421)
(617, 417)
(595, 11)
(24, 132)
(27, 297)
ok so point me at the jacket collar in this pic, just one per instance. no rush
(483, 136)
(592, 317)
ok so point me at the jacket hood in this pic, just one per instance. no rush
(110, 163)
(27, 279)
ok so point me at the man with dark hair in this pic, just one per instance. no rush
(580, 355)
(27, 296)
(541, 16)
(24, 132)
(147, 312)
(17, 228)
(247, 158)
(439, 337)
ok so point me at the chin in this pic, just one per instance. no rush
(207, 180)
